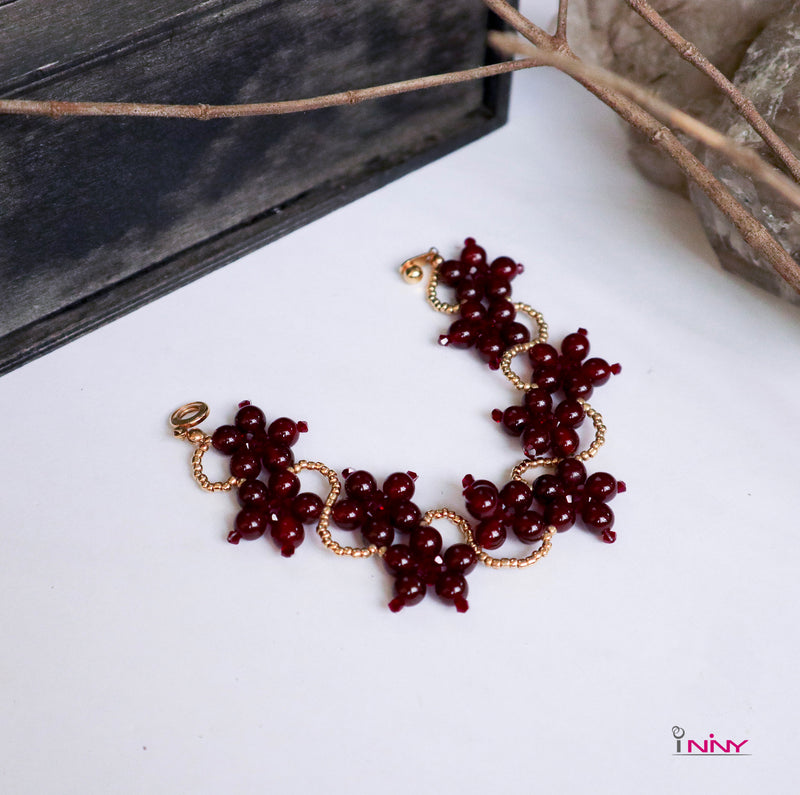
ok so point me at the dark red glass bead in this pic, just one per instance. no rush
(570, 412)
(307, 507)
(547, 377)
(561, 513)
(517, 496)
(514, 419)
(245, 465)
(378, 531)
(360, 485)
(398, 559)
(572, 473)
(616, 369)
(490, 346)
(473, 311)
(490, 533)
(600, 486)
(463, 334)
(453, 588)
(565, 441)
(284, 485)
(399, 486)
(250, 524)
(597, 515)
(452, 272)
(469, 290)
(377, 504)
(430, 569)
(538, 401)
(277, 457)
(288, 534)
(529, 527)
(425, 542)
(409, 590)
(536, 440)
(253, 494)
(598, 371)
(501, 311)
(482, 500)
(497, 287)
(472, 253)
(405, 515)
(547, 487)
(254, 443)
(283, 431)
(226, 439)
(503, 266)
(577, 385)
(515, 333)
(621, 486)
(460, 558)
(575, 346)
(250, 418)
(468, 486)
(543, 354)
(609, 536)
(348, 514)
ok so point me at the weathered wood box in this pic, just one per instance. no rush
(99, 215)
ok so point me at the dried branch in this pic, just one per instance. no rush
(561, 24)
(752, 231)
(744, 158)
(56, 109)
(746, 108)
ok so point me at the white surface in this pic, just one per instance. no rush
(141, 653)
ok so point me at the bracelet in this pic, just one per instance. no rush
(266, 479)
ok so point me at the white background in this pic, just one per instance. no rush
(141, 653)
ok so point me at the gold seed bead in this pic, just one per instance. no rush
(515, 350)
(203, 443)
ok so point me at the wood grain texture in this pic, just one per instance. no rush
(100, 215)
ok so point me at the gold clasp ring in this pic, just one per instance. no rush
(188, 416)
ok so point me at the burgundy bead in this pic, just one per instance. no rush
(398, 559)
(514, 419)
(565, 441)
(250, 524)
(497, 287)
(463, 334)
(469, 290)
(430, 569)
(538, 401)
(529, 527)
(490, 533)
(378, 531)
(409, 590)
(226, 439)
(482, 501)
(598, 371)
(536, 441)
(425, 542)
(348, 514)
(307, 507)
(405, 515)
(578, 385)
(360, 485)
(472, 253)
(250, 418)
(547, 487)
(245, 465)
(609, 536)
(597, 515)
(575, 346)
(600, 486)
(277, 457)
(399, 486)
(460, 558)
(503, 266)
(517, 496)
(288, 534)
(572, 473)
(570, 412)
(254, 443)
(501, 311)
(473, 311)
(283, 431)
(490, 346)
(452, 272)
(561, 513)
(253, 494)
(453, 588)
(547, 377)
(543, 354)
(515, 333)
(284, 485)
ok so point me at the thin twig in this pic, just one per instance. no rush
(56, 108)
(561, 25)
(746, 108)
(755, 234)
(746, 159)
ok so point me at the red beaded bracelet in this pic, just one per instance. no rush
(391, 524)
